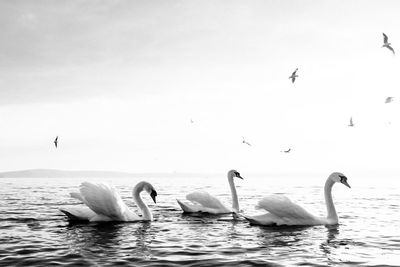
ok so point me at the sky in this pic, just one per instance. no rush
(120, 81)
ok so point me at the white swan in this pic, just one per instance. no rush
(204, 202)
(103, 203)
(282, 211)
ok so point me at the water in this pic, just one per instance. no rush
(34, 233)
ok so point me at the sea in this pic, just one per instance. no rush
(33, 232)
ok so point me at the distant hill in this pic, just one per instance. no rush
(49, 173)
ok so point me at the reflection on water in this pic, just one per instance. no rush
(330, 243)
(132, 240)
(35, 233)
(93, 236)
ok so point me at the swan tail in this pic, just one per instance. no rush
(72, 217)
(185, 207)
(78, 213)
(250, 219)
(264, 219)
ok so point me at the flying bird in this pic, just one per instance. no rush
(56, 141)
(245, 142)
(294, 75)
(191, 121)
(389, 99)
(351, 124)
(386, 43)
(286, 151)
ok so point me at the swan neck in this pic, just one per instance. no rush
(332, 215)
(146, 213)
(235, 201)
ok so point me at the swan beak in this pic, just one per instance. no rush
(153, 195)
(346, 184)
(238, 176)
(343, 180)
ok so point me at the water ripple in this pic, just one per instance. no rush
(35, 233)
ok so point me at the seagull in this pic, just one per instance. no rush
(351, 124)
(56, 141)
(286, 151)
(191, 121)
(389, 99)
(386, 43)
(294, 75)
(245, 142)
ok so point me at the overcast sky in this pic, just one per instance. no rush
(119, 82)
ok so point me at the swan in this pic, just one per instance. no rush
(103, 203)
(204, 202)
(282, 211)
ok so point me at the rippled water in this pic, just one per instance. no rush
(33, 231)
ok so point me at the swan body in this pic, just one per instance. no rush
(201, 201)
(103, 203)
(282, 211)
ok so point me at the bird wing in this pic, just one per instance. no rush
(385, 38)
(287, 211)
(390, 48)
(293, 79)
(205, 199)
(103, 199)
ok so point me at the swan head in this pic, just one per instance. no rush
(234, 173)
(338, 177)
(152, 192)
(145, 186)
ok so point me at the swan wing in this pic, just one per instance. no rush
(104, 200)
(77, 196)
(206, 200)
(287, 212)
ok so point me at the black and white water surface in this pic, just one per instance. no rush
(35, 233)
